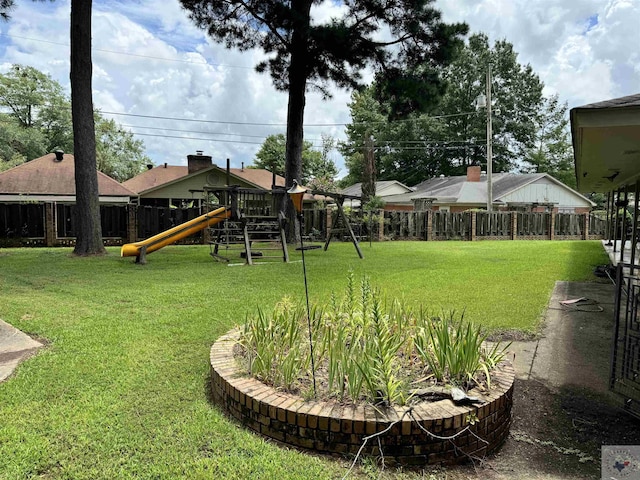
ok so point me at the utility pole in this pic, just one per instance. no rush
(489, 145)
(369, 173)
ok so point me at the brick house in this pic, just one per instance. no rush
(37, 200)
(183, 185)
(532, 192)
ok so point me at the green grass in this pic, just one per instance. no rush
(122, 389)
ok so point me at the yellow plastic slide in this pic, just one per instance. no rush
(174, 234)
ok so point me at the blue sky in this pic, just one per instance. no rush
(150, 60)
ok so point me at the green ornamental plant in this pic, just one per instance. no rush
(367, 348)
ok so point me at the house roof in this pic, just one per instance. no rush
(155, 177)
(160, 176)
(620, 102)
(47, 176)
(459, 190)
(258, 176)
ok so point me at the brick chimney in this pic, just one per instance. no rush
(473, 173)
(198, 162)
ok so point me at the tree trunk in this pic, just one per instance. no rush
(87, 218)
(295, 114)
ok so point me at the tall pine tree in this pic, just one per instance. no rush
(305, 54)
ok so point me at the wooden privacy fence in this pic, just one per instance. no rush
(21, 220)
(52, 224)
(153, 220)
(473, 226)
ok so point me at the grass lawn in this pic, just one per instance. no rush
(122, 389)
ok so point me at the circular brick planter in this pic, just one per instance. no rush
(329, 427)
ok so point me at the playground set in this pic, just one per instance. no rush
(244, 223)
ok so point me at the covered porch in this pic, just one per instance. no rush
(606, 143)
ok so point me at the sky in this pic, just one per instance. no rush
(163, 79)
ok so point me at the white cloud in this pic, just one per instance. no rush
(582, 65)
(171, 69)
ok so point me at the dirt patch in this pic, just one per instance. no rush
(554, 435)
(512, 336)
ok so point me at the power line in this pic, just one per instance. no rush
(179, 119)
(195, 138)
(197, 131)
(258, 124)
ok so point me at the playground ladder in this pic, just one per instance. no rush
(252, 236)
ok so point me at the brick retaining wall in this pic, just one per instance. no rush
(329, 427)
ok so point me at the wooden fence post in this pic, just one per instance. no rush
(585, 232)
(132, 223)
(514, 225)
(474, 220)
(380, 225)
(552, 225)
(429, 232)
(49, 224)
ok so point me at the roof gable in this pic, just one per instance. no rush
(458, 190)
(165, 175)
(155, 177)
(383, 188)
(47, 176)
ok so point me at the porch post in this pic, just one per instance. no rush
(634, 234)
(607, 231)
(614, 212)
(623, 230)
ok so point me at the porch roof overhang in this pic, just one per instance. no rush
(606, 144)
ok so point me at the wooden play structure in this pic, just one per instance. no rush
(254, 231)
(246, 224)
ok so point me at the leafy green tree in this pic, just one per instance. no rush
(325, 172)
(89, 238)
(552, 151)
(516, 94)
(118, 154)
(408, 150)
(303, 54)
(17, 143)
(453, 136)
(39, 121)
(25, 90)
(271, 156)
(39, 116)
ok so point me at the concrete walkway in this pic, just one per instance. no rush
(15, 347)
(574, 348)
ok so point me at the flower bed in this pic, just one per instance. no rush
(436, 432)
